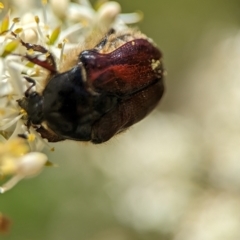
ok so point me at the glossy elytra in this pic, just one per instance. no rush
(97, 92)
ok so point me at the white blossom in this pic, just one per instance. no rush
(38, 26)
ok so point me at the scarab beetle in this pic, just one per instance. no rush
(98, 92)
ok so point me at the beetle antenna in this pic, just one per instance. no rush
(30, 80)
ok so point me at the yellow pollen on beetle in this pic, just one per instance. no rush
(155, 64)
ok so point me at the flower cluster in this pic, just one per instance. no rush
(22, 158)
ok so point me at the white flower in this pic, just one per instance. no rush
(77, 21)
(16, 160)
(28, 165)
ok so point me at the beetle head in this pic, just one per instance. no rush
(33, 104)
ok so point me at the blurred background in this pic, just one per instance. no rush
(173, 176)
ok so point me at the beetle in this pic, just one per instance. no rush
(98, 92)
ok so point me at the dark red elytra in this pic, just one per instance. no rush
(102, 95)
(125, 70)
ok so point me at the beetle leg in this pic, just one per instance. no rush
(23, 135)
(49, 135)
(48, 64)
(103, 42)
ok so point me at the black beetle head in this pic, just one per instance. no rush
(33, 105)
